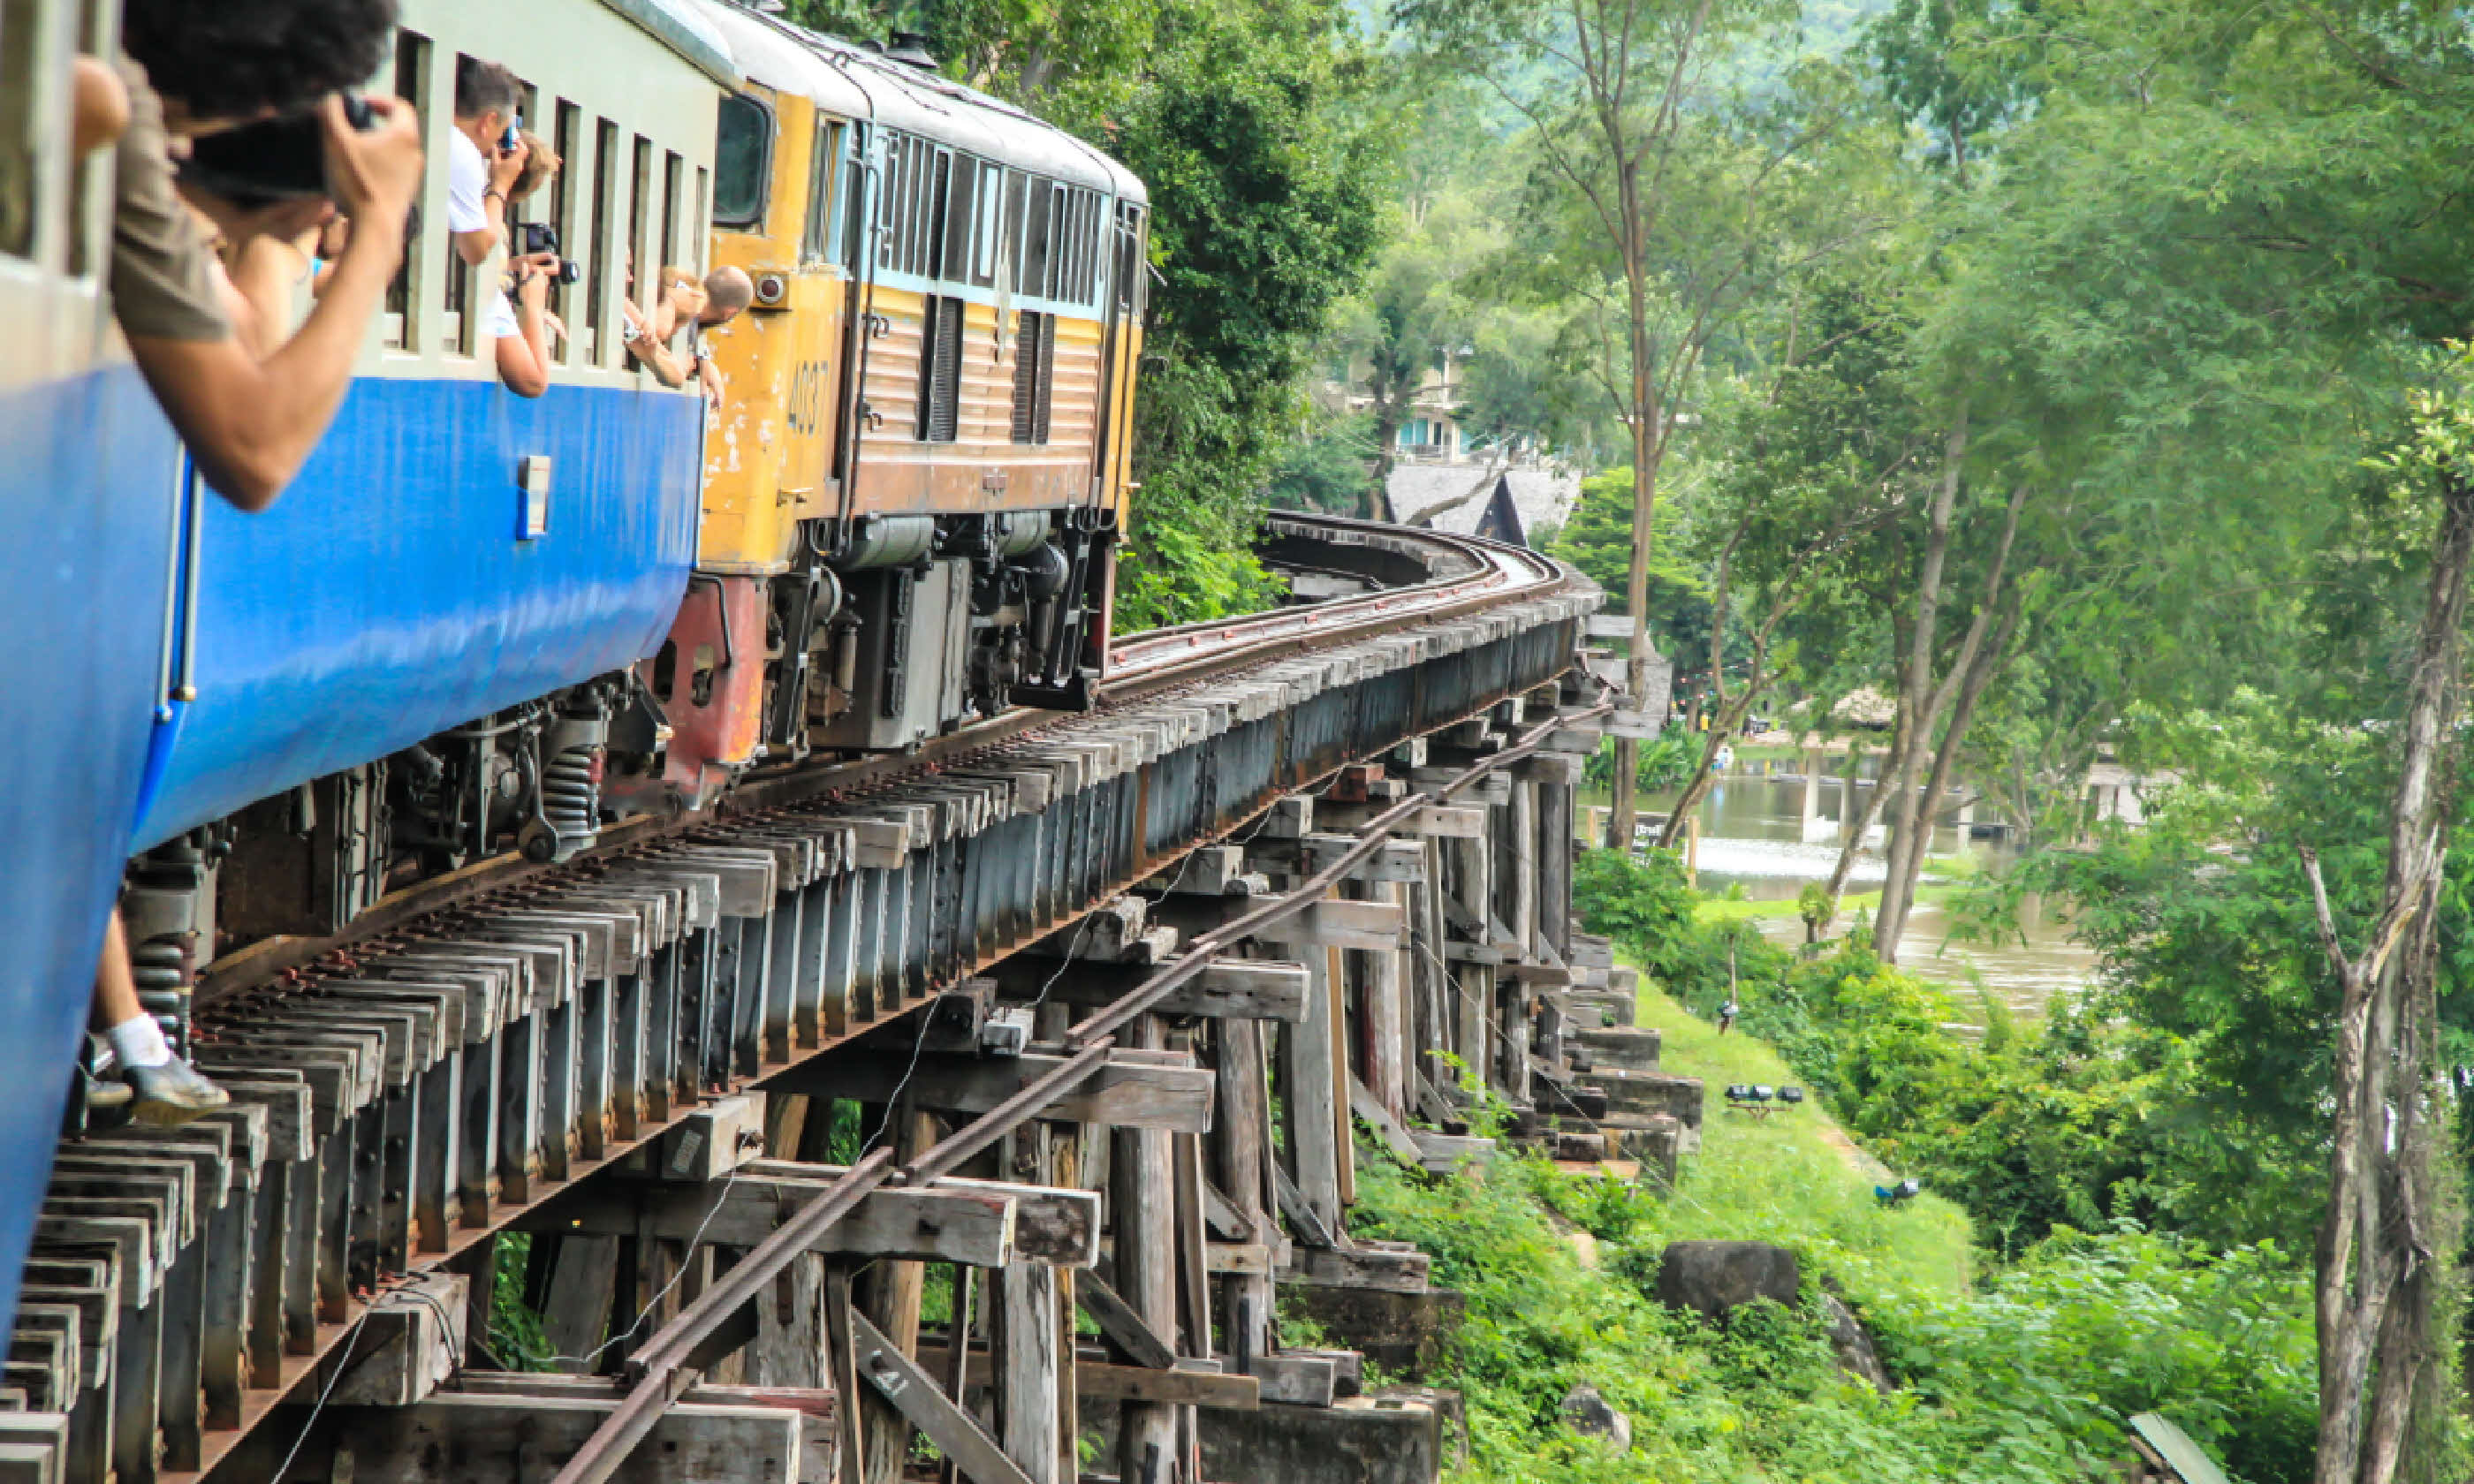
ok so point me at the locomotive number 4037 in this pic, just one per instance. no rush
(805, 410)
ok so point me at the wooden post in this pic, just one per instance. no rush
(891, 1304)
(1387, 1014)
(1555, 867)
(1344, 1167)
(1026, 1329)
(1309, 1097)
(841, 1364)
(1472, 894)
(1241, 1136)
(1143, 1203)
(1522, 902)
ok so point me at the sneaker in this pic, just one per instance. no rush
(172, 1094)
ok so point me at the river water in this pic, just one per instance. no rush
(1753, 836)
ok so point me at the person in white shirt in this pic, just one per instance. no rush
(485, 157)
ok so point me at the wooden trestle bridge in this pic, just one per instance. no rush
(1073, 1013)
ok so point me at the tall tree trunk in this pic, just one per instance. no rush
(1981, 667)
(1865, 817)
(1916, 711)
(2374, 1254)
(1648, 438)
(1971, 671)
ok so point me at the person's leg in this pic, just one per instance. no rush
(167, 1088)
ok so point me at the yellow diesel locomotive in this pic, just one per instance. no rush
(917, 473)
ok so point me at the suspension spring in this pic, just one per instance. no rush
(570, 799)
(159, 968)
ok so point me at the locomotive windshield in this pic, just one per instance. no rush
(741, 160)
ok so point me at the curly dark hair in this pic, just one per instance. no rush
(237, 59)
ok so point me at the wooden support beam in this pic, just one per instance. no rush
(410, 1340)
(1395, 860)
(1122, 1324)
(1099, 1381)
(502, 1437)
(955, 1432)
(1455, 822)
(1123, 1092)
(973, 1222)
(820, 1409)
(1229, 988)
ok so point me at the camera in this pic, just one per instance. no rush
(542, 237)
(274, 159)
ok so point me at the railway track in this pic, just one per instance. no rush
(481, 1045)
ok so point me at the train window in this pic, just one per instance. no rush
(742, 160)
(936, 240)
(567, 121)
(824, 170)
(888, 201)
(411, 83)
(940, 370)
(600, 283)
(672, 168)
(700, 241)
(1036, 239)
(644, 272)
(23, 51)
(1034, 369)
(988, 231)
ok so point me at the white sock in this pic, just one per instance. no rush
(138, 1041)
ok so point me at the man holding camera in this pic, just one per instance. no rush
(249, 420)
(487, 160)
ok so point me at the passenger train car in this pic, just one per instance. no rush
(477, 623)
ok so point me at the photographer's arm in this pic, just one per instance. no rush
(250, 423)
(474, 247)
(523, 357)
(653, 354)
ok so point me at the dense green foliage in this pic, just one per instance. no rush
(2025, 1377)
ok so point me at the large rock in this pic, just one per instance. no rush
(1592, 1417)
(1852, 1343)
(1715, 1276)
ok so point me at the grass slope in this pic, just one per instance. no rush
(1793, 1177)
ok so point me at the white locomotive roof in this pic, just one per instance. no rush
(684, 29)
(859, 82)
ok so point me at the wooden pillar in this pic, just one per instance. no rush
(1240, 1137)
(1387, 1014)
(1555, 867)
(890, 1301)
(1309, 1100)
(1344, 1168)
(1029, 1328)
(1142, 1200)
(1522, 900)
(1472, 895)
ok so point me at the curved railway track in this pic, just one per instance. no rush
(1467, 576)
